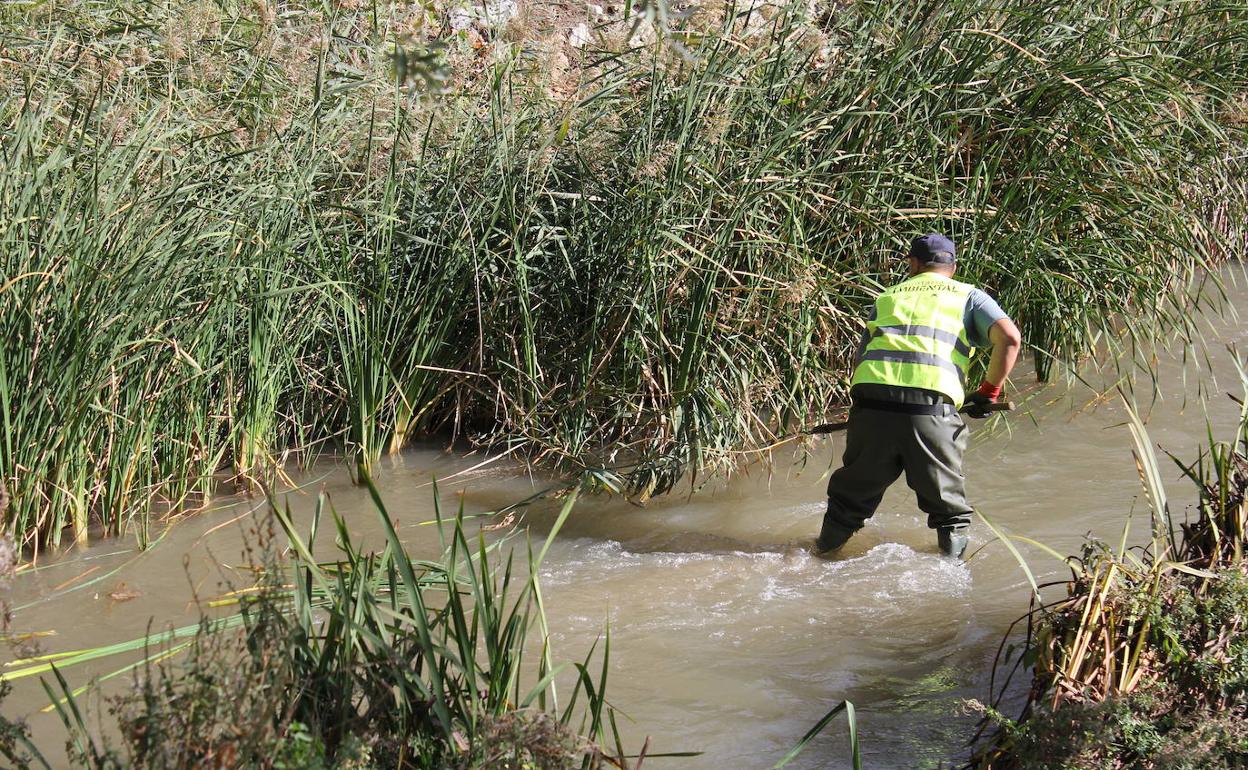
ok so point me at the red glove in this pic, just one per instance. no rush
(990, 391)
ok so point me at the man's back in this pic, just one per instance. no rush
(907, 386)
(917, 337)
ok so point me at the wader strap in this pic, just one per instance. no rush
(937, 410)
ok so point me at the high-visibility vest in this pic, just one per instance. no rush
(918, 337)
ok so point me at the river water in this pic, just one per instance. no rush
(727, 638)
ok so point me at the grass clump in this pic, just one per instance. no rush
(528, 741)
(236, 233)
(1133, 731)
(1145, 663)
(368, 660)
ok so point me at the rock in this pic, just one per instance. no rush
(491, 13)
(579, 36)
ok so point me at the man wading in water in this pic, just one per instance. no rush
(906, 392)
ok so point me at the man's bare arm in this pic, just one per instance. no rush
(1006, 343)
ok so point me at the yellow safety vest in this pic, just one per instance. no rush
(918, 337)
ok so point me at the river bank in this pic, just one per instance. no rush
(250, 245)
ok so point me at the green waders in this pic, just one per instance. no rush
(880, 445)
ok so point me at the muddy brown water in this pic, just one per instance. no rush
(725, 638)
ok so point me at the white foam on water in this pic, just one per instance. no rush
(736, 595)
(907, 573)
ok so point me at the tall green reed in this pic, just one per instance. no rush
(231, 239)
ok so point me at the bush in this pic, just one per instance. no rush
(1144, 730)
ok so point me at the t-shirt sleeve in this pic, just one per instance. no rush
(982, 312)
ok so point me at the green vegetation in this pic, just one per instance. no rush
(233, 234)
(368, 660)
(1144, 664)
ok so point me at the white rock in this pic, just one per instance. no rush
(579, 36)
(461, 19)
(491, 13)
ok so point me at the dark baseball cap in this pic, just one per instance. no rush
(933, 249)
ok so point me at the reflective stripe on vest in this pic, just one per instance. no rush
(918, 337)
